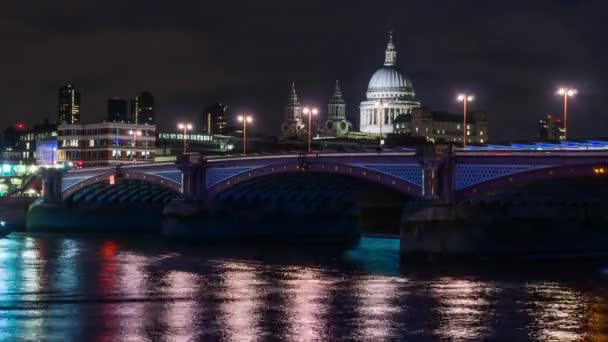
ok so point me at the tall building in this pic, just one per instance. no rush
(336, 124)
(551, 129)
(389, 95)
(69, 104)
(215, 119)
(118, 110)
(293, 125)
(142, 109)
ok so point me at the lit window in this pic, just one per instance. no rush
(458, 126)
(92, 143)
(481, 133)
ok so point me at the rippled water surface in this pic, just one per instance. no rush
(55, 288)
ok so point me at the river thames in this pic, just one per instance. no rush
(59, 288)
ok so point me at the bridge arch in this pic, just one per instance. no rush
(399, 185)
(121, 175)
(526, 178)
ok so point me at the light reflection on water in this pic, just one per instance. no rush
(56, 288)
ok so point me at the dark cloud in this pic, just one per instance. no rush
(191, 53)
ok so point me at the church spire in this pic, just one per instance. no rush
(336, 97)
(336, 108)
(293, 96)
(391, 53)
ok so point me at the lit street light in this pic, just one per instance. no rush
(465, 99)
(245, 119)
(185, 126)
(310, 112)
(135, 134)
(566, 92)
(381, 113)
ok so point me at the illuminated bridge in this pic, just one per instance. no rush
(433, 195)
(434, 173)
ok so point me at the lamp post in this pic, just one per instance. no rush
(310, 111)
(135, 134)
(465, 99)
(185, 126)
(245, 119)
(565, 93)
(381, 115)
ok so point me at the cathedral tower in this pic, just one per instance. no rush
(293, 125)
(336, 124)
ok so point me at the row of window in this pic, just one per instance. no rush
(105, 131)
(105, 142)
(104, 155)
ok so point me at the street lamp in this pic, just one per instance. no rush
(245, 119)
(465, 99)
(185, 126)
(310, 112)
(135, 134)
(566, 92)
(381, 114)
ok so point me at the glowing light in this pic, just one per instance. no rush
(310, 110)
(247, 118)
(462, 97)
(567, 91)
(184, 126)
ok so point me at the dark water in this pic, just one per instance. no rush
(82, 289)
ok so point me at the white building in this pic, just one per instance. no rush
(106, 143)
(389, 94)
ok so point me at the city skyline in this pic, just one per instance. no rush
(513, 69)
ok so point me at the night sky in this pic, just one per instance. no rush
(190, 53)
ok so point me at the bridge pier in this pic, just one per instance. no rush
(51, 186)
(184, 214)
(39, 215)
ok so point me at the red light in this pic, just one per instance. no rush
(20, 125)
(80, 163)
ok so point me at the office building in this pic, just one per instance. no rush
(142, 109)
(69, 105)
(118, 110)
(215, 119)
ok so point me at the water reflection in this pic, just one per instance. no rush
(307, 293)
(377, 309)
(54, 288)
(463, 307)
(558, 312)
(242, 296)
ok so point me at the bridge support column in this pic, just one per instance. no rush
(194, 174)
(438, 173)
(51, 186)
(184, 216)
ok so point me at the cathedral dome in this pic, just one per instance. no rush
(389, 79)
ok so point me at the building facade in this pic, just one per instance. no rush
(106, 143)
(142, 109)
(118, 110)
(20, 143)
(551, 128)
(69, 105)
(215, 119)
(444, 127)
(336, 124)
(292, 126)
(389, 95)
